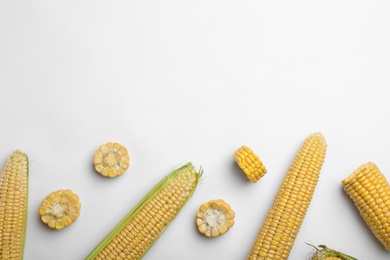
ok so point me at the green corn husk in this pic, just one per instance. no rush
(143, 225)
(324, 253)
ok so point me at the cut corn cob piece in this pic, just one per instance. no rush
(250, 163)
(370, 191)
(13, 206)
(111, 159)
(214, 218)
(280, 228)
(326, 253)
(144, 224)
(60, 209)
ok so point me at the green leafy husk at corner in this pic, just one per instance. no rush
(178, 173)
(323, 252)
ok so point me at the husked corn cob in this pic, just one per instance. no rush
(214, 218)
(250, 163)
(141, 227)
(280, 228)
(13, 206)
(60, 209)
(111, 159)
(370, 191)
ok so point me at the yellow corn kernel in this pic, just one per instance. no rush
(280, 228)
(111, 159)
(13, 206)
(250, 163)
(60, 209)
(214, 218)
(133, 236)
(370, 192)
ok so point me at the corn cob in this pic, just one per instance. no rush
(250, 163)
(111, 159)
(13, 206)
(326, 253)
(141, 227)
(60, 209)
(280, 228)
(214, 218)
(370, 191)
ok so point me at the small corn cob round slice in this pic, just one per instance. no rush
(111, 159)
(250, 163)
(60, 209)
(214, 218)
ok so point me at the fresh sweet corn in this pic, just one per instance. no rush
(143, 225)
(250, 163)
(280, 228)
(214, 218)
(13, 206)
(325, 253)
(370, 191)
(60, 209)
(111, 159)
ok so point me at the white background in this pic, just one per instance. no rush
(178, 81)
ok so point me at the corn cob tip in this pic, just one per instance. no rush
(14, 203)
(325, 253)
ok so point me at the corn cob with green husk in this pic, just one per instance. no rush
(13, 206)
(326, 253)
(141, 227)
(280, 228)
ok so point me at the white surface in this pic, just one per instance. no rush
(179, 81)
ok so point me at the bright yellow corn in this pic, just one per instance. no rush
(250, 163)
(13, 206)
(111, 159)
(60, 209)
(370, 191)
(280, 228)
(214, 218)
(141, 227)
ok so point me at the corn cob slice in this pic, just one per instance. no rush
(214, 218)
(13, 206)
(111, 159)
(280, 228)
(250, 163)
(370, 191)
(143, 225)
(60, 209)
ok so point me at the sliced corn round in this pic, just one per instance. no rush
(250, 163)
(214, 218)
(60, 209)
(111, 159)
